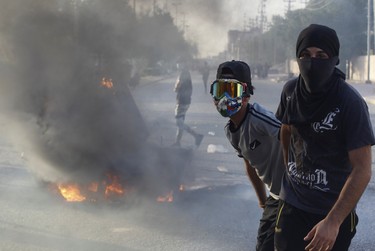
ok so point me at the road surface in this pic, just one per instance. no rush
(216, 211)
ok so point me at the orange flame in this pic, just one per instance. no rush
(107, 83)
(167, 198)
(71, 192)
(110, 187)
(115, 187)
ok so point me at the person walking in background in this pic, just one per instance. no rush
(205, 71)
(253, 132)
(184, 90)
(327, 137)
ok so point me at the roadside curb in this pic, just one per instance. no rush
(370, 100)
(154, 79)
(367, 91)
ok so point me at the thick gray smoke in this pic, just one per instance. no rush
(69, 119)
(206, 22)
(69, 126)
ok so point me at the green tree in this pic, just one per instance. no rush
(348, 18)
(161, 40)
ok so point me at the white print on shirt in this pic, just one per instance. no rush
(254, 144)
(327, 123)
(316, 179)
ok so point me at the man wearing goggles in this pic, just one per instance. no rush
(253, 132)
(230, 87)
(228, 93)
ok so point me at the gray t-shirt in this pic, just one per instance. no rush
(257, 140)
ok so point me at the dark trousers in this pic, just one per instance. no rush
(266, 230)
(293, 224)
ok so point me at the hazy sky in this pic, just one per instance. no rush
(212, 35)
(207, 21)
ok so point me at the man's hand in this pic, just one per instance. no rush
(260, 188)
(322, 236)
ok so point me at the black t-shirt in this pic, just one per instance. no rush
(318, 155)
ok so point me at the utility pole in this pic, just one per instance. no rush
(368, 39)
(373, 27)
(262, 16)
(176, 4)
(289, 5)
(183, 25)
(288, 9)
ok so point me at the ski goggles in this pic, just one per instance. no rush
(232, 87)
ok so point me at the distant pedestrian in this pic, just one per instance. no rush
(184, 90)
(253, 132)
(205, 71)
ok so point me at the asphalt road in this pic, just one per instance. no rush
(216, 211)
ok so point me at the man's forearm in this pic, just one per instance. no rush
(257, 183)
(354, 186)
(285, 134)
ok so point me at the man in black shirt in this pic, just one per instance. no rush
(327, 136)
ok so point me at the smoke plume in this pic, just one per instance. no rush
(68, 104)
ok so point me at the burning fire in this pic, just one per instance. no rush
(109, 188)
(76, 193)
(107, 82)
(167, 198)
(71, 192)
(114, 187)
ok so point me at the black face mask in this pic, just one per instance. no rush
(316, 73)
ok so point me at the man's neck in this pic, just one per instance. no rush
(239, 116)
